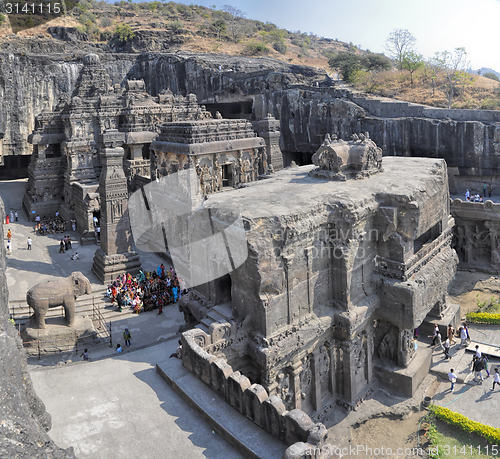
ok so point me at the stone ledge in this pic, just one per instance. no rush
(247, 438)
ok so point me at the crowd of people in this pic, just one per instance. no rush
(487, 188)
(147, 290)
(49, 225)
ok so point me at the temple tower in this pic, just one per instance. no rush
(115, 254)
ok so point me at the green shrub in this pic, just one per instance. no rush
(491, 76)
(123, 33)
(175, 26)
(105, 22)
(255, 49)
(491, 434)
(483, 318)
(280, 46)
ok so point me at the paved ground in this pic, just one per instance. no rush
(120, 407)
(494, 198)
(115, 405)
(476, 401)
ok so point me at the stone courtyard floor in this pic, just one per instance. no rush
(474, 400)
(115, 405)
(118, 406)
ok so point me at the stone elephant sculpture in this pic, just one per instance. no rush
(55, 293)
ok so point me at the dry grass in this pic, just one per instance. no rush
(479, 93)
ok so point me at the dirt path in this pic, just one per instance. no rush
(397, 437)
(467, 287)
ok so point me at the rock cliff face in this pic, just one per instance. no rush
(24, 421)
(305, 100)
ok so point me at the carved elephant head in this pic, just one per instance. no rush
(80, 283)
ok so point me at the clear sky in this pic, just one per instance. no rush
(438, 25)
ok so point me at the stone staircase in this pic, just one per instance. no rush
(222, 313)
(21, 312)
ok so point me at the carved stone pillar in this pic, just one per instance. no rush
(293, 308)
(315, 367)
(494, 242)
(115, 255)
(294, 373)
(269, 130)
(310, 287)
(406, 347)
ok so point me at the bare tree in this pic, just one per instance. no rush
(434, 66)
(235, 24)
(454, 66)
(399, 42)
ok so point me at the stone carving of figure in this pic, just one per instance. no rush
(387, 347)
(218, 115)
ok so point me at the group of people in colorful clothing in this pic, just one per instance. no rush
(147, 290)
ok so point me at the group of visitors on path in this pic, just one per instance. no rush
(147, 291)
(479, 360)
(487, 188)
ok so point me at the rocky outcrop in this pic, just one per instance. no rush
(24, 421)
(35, 73)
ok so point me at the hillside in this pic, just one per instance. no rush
(168, 27)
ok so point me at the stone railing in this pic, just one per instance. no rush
(295, 427)
(404, 271)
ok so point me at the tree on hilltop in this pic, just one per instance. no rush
(348, 64)
(399, 42)
(454, 65)
(124, 32)
(412, 62)
(235, 24)
(491, 76)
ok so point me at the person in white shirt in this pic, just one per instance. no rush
(496, 379)
(447, 348)
(478, 352)
(29, 241)
(453, 379)
(463, 337)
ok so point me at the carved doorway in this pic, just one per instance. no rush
(227, 175)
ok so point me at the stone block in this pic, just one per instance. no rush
(272, 410)
(254, 397)
(219, 374)
(237, 384)
(296, 426)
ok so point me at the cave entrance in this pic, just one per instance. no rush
(238, 110)
(227, 175)
(15, 166)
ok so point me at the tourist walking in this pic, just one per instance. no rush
(484, 359)
(496, 379)
(478, 367)
(85, 355)
(484, 189)
(467, 195)
(439, 342)
(16, 216)
(127, 337)
(478, 353)
(9, 247)
(61, 246)
(447, 349)
(453, 379)
(9, 234)
(489, 190)
(451, 334)
(29, 241)
(434, 336)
